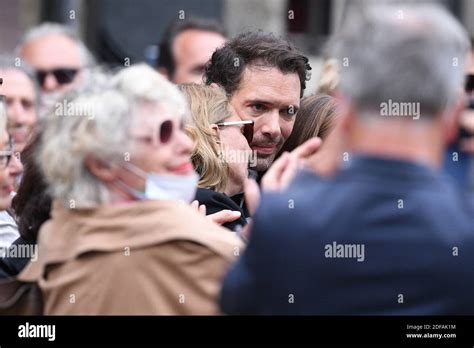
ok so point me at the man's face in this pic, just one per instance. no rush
(51, 52)
(20, 104)
(271, 99)
(192, 49)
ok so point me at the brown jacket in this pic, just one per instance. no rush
(148, 257)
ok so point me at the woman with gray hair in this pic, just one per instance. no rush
(122, 238)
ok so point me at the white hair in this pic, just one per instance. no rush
(402, 51)
(47, 28)
(97, 125)
(143, 83)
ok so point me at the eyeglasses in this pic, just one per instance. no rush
(5, 157)
(62, 75)
(247, 129)
(163, 135)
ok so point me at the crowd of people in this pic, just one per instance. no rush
(215, 183)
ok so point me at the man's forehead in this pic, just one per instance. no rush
(197, 43)
(270, 85)
(16, 80)
(52, 50)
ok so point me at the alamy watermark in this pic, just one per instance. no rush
(28, 251)
(28, 330)
(404, 109)
(238, 156)
(72, 109)
(345, 251)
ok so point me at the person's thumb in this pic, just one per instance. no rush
(224, 216)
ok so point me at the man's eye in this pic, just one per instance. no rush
(27, 104)
(258, 107)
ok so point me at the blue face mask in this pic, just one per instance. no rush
(164, 186)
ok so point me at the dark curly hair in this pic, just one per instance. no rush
(254, 48)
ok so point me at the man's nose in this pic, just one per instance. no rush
(270, 124)
(16, 113)
(50, 83)
(14, 110)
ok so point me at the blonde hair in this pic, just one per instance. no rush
(329, 78)
(209, 105)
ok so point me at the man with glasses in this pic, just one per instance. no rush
(58, 56)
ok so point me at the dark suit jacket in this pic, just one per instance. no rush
(416, 231)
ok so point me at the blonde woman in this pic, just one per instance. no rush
(221, 154)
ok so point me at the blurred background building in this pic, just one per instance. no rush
(119, 29)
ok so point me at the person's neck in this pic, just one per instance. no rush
(232, 188)
(399, 139)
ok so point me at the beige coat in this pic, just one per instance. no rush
(148, 257)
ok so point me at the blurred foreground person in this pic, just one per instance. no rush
(389, 234)
(222, 153)
(122, 238)
(459, 159)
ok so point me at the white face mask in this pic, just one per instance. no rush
(165, 186)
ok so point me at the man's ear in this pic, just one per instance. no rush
(103, 171)
(217, 132)
(452, 118)
(344, 110)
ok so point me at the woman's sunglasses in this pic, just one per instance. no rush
(164, 134)
(62, 75)
(247, 129)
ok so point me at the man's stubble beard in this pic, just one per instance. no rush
(264, 163)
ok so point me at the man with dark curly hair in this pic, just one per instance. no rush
(264, 77)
